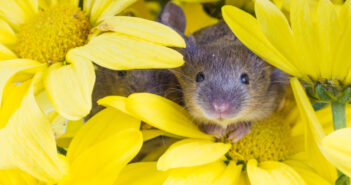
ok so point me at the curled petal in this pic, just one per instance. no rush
(9, 68)
(336, 148)
(70, 87)
(163, 114)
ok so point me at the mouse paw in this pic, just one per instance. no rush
(215, 130)
(239, 130)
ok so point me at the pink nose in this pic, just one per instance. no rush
(220, 106)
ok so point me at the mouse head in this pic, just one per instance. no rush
(223, 82)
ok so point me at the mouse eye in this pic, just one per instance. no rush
(200, 77)
(244, 78)
(121, 73)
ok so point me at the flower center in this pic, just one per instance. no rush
(48, 36)
(269, 140)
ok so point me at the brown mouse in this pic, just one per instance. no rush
(226, 87)
(123, 83)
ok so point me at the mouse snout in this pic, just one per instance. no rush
(220, 106)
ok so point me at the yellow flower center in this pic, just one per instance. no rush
(49, 35)
(269, 140)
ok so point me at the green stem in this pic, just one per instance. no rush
(339, 115)
(339, 121)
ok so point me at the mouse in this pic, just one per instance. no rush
(225, 86)
(125, 82)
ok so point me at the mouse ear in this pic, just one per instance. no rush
(174, 17)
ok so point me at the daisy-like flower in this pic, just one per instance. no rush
(62, 39)
(98, 152)
(334, 145)
(314, 47)
(49, 46)
(268, 155)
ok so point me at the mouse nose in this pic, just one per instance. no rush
(220, 106)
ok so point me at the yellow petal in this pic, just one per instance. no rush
(336, 148)
(121, 52)
(102, 9)
(6, 54)
(16, 177)
(147, 30)
(9, 68)
(341, 68)
(306, 39)
(307, 173)
(200, 175)
(276, 28)
(163, 114)
(70, 86)
(7, 35)
(115, 8)
(230, 176)
(141, 173)
(13, 13)
(192, 152)
(117, 102)
(247, 29)
(102, 161)
(36, 154)
(101, 126)
(313, 133)
(272, 173)
(328, 32)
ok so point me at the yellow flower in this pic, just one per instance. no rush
(335, 146)
(266, 155)
(97, 154)
(313, 45)
(61, 39)
(49, 46)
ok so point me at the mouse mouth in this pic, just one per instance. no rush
(220, 118)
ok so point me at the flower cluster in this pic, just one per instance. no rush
(50, 49)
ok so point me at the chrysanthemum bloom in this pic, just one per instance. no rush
(56, 41)
(96, 155)
(268, 155)
(61, 39)
(313, 47)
